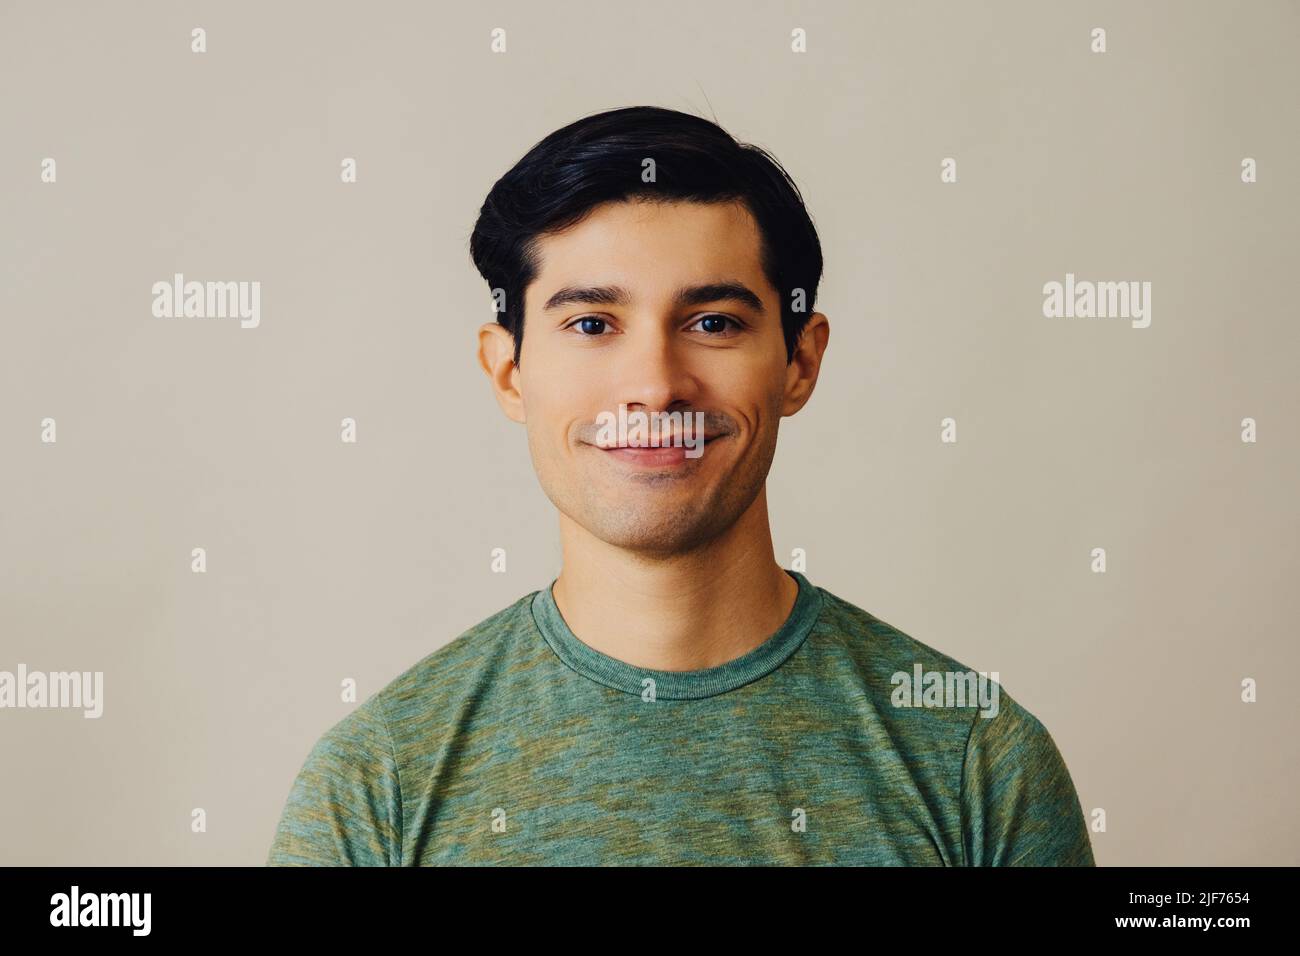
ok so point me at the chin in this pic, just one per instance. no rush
(661, 532)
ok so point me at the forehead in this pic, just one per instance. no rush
(646, 245)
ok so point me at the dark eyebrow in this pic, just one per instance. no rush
(720, 292)
(591, 295)
(689, 295)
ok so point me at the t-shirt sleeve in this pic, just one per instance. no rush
(1019, 806)
(344, 808)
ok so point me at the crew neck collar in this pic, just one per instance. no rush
(679, 685)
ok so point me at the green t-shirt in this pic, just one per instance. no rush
(519, 744)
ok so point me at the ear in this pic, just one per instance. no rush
(801, 373)
(496, 354)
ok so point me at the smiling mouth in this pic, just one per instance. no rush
(632, 446)
(657, 456)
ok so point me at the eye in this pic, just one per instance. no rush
(718, 324)
(590, 326)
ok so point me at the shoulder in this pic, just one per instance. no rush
(460, 672)
(869, 637)
(915, 682)
(345, 805)
(918, 678)
(368, 736)
(1010, 748)
(1018, 803)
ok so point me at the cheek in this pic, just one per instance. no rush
(543, 441)
(762, 412)
(554, 402)
(555, 369)
(553, 454)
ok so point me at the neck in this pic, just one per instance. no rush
(689, 611)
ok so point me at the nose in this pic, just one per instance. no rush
(652, 370)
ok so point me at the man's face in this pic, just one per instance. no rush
(640, 345)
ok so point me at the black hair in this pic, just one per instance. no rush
(599, 159)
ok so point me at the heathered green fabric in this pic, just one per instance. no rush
(518, 744)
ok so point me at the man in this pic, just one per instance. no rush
(674, 696)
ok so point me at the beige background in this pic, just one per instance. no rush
(328, 561)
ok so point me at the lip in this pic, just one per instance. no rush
(655, 456)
